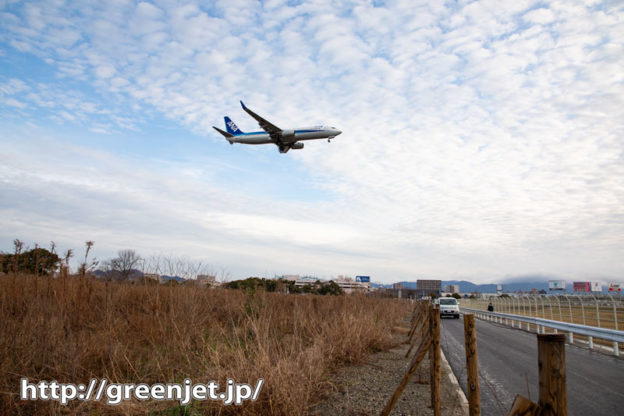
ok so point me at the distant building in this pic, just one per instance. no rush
(349, 286)
(429, 286)
(206, 279)
(346, 283)
(307, 280)
(451, 288)
(291, 277)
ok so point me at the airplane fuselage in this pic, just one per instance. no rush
(288, 136)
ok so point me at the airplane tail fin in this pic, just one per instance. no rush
(231, 127)
(225, 134)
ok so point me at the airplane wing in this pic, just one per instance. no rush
(274, 131)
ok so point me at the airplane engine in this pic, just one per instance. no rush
(288, 135)
(296, 146)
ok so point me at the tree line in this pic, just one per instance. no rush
(283, 285)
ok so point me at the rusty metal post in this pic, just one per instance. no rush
(472, 365)
(552, 374)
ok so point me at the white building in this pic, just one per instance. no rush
(206, 279)
(451, 289)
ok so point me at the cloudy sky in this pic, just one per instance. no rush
(481, 139)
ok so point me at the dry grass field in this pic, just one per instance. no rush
(75, 328)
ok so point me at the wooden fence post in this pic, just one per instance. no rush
(552, 374)
(472, 365)
(434, 361)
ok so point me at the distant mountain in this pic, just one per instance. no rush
(133, 274)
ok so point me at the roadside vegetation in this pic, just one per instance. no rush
(71, 328)
(285, 286)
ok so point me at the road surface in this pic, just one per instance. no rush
(508, 366)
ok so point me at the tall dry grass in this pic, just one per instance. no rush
(74, 328)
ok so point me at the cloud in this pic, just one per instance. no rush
(479, 139)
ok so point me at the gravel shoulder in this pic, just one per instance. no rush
(365, 389)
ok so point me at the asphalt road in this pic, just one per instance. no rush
(508, 366)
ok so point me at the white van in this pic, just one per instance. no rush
(448, 307)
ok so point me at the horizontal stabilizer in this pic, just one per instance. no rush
(225, 134)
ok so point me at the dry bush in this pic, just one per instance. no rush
(72, 329)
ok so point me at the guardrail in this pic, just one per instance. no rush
(540, 324)
(606, 311)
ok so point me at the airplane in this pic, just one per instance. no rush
(283, 139)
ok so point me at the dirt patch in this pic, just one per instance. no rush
(366, 388)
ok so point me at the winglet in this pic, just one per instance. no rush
(243, 105)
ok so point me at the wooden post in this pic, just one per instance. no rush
(472, 365)
(434, 361)
(552, 374)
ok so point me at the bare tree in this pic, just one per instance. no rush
(183, 267)
(224, 276)
(122, 266)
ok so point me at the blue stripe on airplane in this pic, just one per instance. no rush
(264, 132)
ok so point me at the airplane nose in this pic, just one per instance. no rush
(338, 132)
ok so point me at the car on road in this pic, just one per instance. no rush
(448, 307)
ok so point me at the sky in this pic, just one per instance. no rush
(482, 140)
